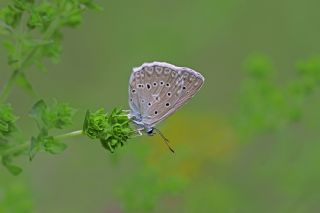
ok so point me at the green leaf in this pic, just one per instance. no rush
(7, 122)
(34, 148)
(38, 112)
(11, 15)
(73, 20)
(23, 82)
(42, 16)
(259, 66)
(13, 57)
(50, 49)
(5, 29)
(310, 68)
(13, 169)
(58, 115)
(54, 146)
(91, 5)
(45, 142)
(23, 5)
(37, 143)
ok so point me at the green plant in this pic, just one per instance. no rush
(266, 105)
(31, 32)
(15, 196)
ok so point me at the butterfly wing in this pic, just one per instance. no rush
(142, 89)
(158, 89)
(148, 87)
(192, 83)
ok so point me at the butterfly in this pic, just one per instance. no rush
(157, 90)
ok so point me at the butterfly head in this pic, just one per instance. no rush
(136, 118)
(150, 131)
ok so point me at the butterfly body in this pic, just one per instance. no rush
(157, 90)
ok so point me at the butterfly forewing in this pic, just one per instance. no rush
(158, 89)
(165, 98)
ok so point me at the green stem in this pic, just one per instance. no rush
(24, 146)
(18, 148)
(69, 135)
(10, 83)
(8, 86)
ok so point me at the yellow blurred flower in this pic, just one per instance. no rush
(198, 139)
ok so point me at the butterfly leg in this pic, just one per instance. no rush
(138, 131)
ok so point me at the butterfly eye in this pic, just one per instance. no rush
(167, 104)
(169, 94)
(155, 112)
(149, 104)
(155, 84)
(131, 99)
(161, 83)
(133, 91)
(148, 86)
(142, 101)
(184, 87)
(167, 85)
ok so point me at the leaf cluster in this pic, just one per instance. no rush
(266, 105)
(31, 33)
(7, 122)
(151, 189)
(8, 140)
(56, 116)
(113, 129)
(16, 196)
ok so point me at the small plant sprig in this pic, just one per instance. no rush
(31, 32)
(267, 106)
(113, 130)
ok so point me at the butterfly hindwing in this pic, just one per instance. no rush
(192, 82)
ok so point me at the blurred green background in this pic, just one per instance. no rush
(240, 145)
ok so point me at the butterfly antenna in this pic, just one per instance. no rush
(166, 141)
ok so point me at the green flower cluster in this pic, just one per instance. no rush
(113, 129)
